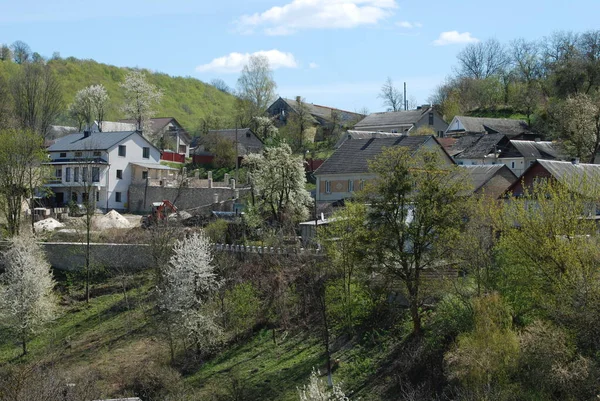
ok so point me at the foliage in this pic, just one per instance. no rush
(141, 98)
(187, 285)
(277, 178)
(242, 307)
(488, 355)
(89, 105)
(216, 231)
(27, 300)
(316, 390)
(21, 156)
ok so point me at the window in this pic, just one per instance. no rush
(77, 154)
(97, 153)
(327, 187)
(68, 174)
(118, 197)
(122, 151)
(361, 186)
(460, 163)
(95, 174)
(120, 174)
(248, 134)
(512, 164)
(84, 197)
(97, 196)
(531, 162)
(84, 174)
(145, 152)
(76, 174)
(63, 154)
(440, 134)
(144, 175)
(58, 173)
(350, 186)
(430, 118)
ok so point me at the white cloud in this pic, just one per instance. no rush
(313, 65)
(234, 62)
(453, 38)
(408, 24)
(311, 14)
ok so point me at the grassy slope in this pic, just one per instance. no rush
(108, 339)
(187, 99)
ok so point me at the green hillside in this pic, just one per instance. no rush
(187, 99)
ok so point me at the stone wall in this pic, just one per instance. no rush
(71, 255)
(141, 196)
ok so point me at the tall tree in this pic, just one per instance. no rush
(391, 96)
(256, 85)
(278, 179)
(483, 59)
(20, 154)
(21, 52)
(27, 300)
(5, 53)
(141, 98)
(578, 125)
(37, 97)
(89, 105)
(298, 125)
(415, 206)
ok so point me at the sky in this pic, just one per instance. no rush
(336, 53)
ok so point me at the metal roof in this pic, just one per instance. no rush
(353, 155)
(536, 149)
(94, 141)
(154, 166)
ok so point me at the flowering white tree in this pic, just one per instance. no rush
(141, 98)
(316, 390)
(188, 282)
(27, 301)
(278, 179)
(89, 105)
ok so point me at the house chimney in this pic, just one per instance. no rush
(86, 133)
(538, 139)
(575, 160)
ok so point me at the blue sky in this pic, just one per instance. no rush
(331, 52)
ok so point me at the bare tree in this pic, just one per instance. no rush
(482, 60)
(391, 96)
(526, 59)
(27, 299)
(5, 53)
(37, 98)
(21, 52)
(256, 85)
(141, 98)
(221, 85)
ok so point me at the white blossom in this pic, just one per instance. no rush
(316, 390)
(141, 98)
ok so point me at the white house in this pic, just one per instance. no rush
(102, 165)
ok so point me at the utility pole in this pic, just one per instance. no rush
(405, 100)
(237, 156)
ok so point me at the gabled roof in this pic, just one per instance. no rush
(393, 118)
(480, 146)
(246, 144)
(536, 149)
(353, 156)
(353, 134)
(482, 173)
(324, 112)
(507, 126)
(94, 141)
(158, 124)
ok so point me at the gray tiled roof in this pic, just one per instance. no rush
(95, 141)
(246, 144)
(538, 150)
(507, 126)
(353, 134)
(482, 173)
(353, 155)
(483, 146)
(408, 118)
(324, 112)
(571, 173)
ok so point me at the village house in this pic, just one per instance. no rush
(513, 129)
(405, 121)
(323, 118)
(353, 134)
(102, 165)
(170, 134)
(490, 180)
(347, 170)
(246, 140)
(497, 148)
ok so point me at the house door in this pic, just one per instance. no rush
(59, 198)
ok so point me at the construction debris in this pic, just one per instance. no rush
(111, 219)
(48, 224)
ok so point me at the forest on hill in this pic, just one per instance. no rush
(195, 104)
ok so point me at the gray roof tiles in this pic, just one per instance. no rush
(324, 112)
(507, 126)
(392, 118)
(95, 141)
(538, 150)
(481, 174)
(353, 156)
(480, 146)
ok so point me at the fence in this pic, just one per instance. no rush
(172, 157)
